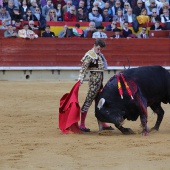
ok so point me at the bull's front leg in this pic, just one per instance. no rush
(125, 131)
(144, 120)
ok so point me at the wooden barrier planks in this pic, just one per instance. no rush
(159, 33)
(69, 51)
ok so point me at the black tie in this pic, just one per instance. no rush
(100, 35)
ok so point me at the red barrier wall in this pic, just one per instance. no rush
(69, 51)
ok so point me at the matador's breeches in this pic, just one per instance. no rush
(95, 84)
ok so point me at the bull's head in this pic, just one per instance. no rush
(107, 112)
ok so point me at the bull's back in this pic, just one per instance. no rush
(153, 81)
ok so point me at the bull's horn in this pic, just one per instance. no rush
(101, 103)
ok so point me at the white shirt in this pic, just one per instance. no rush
(25, 8)
(163, 19)
(144, 35)
(95, 18)
(99, 35)
(129, 18)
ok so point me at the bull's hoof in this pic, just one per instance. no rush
(145, 133)
(128, 131)
(153, 129)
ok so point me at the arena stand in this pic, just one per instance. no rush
(54, 58)
(56, 27)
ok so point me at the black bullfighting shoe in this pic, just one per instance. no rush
(84, 129)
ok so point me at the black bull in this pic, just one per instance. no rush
(148, 85)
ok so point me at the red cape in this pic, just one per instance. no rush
(69, 111)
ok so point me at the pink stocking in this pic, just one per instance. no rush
(82, 122)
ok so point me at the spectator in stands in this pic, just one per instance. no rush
(152, 4)
(29, 16)
(47, 7)
(70, 16)
(18, 24)
(99, 33)
(90, 29)
(16, 15)
(59, 12)
(119, 18)
(5, 16)
(156, 26)
(47, 32)
(111, 2)
(154, 17)
(82, 5)
(10, 33)
(116, 7)
(112, 26)
(3, 26)
(32, 25)
(101, 3)
(143, 33)
(126, 7)
(161, 3)
(165, 16)
(106, 16)
(76, 31)
(143, 18)
(96, 5)
(26, 33)
(138, 9)
(23, 8)
(164, 6)
(117, 34)
(129, 16)
(63, 33)
(88, 4)
(40, 18)
(10, 7)
(95, 61)
(66, 8)
(51, 16)
(33, 6)
(126, 31)
(81, 16)
(107, 6)
(95, 16)
(17, 3)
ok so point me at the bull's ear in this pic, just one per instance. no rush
(101, 103)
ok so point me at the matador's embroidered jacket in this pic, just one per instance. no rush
(93, 62)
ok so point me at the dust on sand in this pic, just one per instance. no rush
(30, 138)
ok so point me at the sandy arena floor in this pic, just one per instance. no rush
(30, 138)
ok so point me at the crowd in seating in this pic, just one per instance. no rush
(96, 12)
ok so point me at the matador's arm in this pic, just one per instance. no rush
(84, 67)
